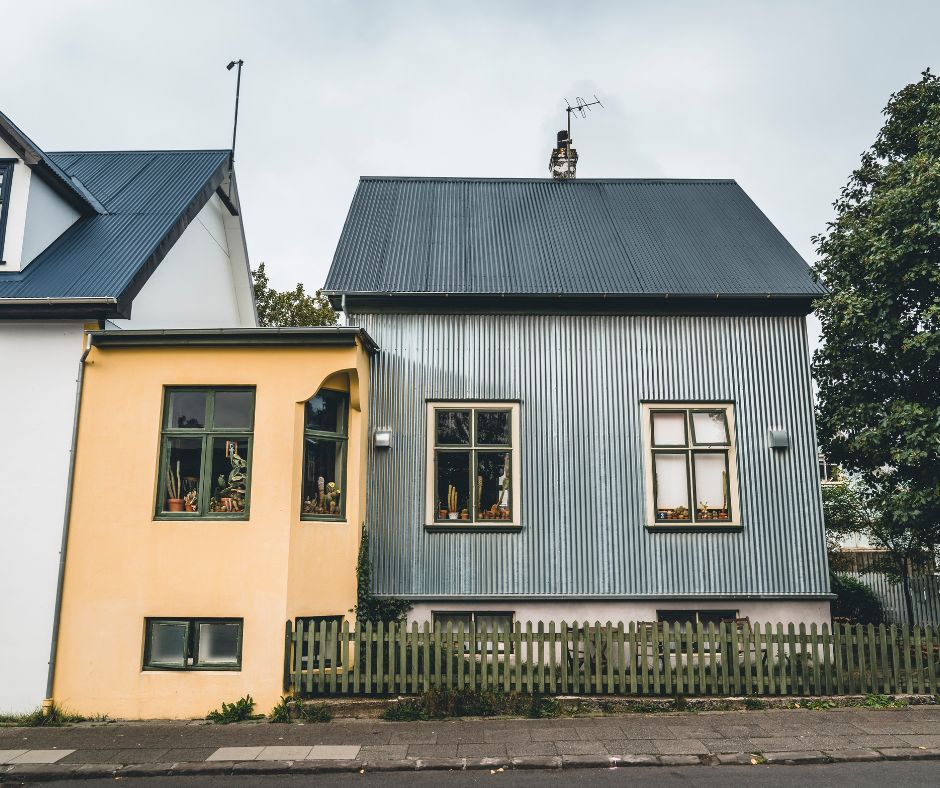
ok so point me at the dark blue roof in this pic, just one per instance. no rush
(147, 199)
(467, 236)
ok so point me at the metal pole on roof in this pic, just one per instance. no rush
(238, 89)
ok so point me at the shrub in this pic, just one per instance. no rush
(239, 711)
(855, 601)
(282, 711)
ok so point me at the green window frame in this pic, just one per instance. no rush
(692, 447)
(204, 496)
(6, 184)
(189, 634)
(315, 503)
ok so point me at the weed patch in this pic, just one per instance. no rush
(55, 717)
(239, 711)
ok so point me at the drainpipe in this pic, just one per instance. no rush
(342, 307)
(57, 615)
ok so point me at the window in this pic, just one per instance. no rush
(333, 655)
(703, 617)
(205, 453)
(6, 182)
(829, 473)
(691, 464)
(500, 621)
(473, 472)
(324, 464)
(193, 644)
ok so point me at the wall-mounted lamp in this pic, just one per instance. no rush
(382, 439)
(779, 439)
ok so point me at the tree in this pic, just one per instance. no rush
(292, 307)
(878, 371)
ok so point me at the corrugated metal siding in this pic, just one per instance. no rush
(580, 381)
(145, 194)
(451, 235)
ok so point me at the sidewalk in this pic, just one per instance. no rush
(728, 737)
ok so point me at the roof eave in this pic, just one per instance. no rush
(94, 308)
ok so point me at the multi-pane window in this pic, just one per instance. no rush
(324, 464)
(499, 622)
(205, 453)
(472, 461)
(691, 455)
(193, 644)
(6, 178)
(332, 648)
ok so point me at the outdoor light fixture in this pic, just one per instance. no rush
(779, 439)
(382, 439)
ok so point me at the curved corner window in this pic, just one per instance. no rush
(205, 454)
(323, 485)
(6, 178)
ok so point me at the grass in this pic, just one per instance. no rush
(55, 717)
(239, 711)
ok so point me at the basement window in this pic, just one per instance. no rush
(691, 468)
(205, 453)
(499, 622)
(193, 644)
(474, 473)
(326, 417)
(6, 182)
(332, 653)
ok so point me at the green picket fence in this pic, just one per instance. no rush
(730, 658)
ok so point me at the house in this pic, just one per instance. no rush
(218, 493)
(597, 399)
(117, 240)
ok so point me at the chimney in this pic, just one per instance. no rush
(564, 159)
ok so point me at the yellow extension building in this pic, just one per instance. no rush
(217, 494)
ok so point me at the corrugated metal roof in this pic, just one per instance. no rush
(148, 196)
(488, 236)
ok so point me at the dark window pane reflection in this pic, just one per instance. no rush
(326, 411)
(233, 409)
(187, 410)
(493, 427)
(453, 427)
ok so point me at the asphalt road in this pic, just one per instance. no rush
(907, 774)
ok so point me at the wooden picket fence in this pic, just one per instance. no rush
(729, 659)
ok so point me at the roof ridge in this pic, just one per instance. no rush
(464, 179)
(141, 151)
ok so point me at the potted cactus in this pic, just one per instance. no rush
(174, 503)
(452, 512)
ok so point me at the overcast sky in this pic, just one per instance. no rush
(782, 97)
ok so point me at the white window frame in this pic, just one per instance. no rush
(431, 522)
(648, 409)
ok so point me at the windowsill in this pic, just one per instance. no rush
(323, 518)
(455, 526)
(696, 527)
(192, 517)
(191, 669)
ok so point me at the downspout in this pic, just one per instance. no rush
(342, 307)
(57, 615)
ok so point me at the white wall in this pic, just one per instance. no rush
(47, 217)
(16, 210)
(199, 284)
(37, 402)
(627, 610)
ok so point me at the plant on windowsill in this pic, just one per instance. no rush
(174, 502)
(230, 493)
(452, 511)
(189, 500)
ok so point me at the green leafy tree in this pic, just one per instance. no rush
(878, 370)
(291, 307)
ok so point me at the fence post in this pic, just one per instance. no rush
(931, 635)
(918, 662)
(334, 656)
(287, 657)
(345, 654)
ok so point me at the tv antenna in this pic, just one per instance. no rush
(238, 89)
(581, 106)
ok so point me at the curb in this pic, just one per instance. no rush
(53, 772)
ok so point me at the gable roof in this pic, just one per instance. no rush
(97, 266)
(587, 238)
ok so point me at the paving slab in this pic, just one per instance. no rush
(432, 751)
(325, 752)
(290, 752)
(383, 752)
(581, 748)
(680, 747)
(235, 754)
(41, 756)
(7, 756)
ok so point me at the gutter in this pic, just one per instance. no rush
(63, 549)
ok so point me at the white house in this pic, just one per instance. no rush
(116, 239)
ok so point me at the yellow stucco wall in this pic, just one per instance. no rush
(123, 565)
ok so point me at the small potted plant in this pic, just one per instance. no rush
(452, 512)
(189, 500)
(464, 514)
(174, 503)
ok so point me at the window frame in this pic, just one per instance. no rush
(473, 616)
(208, 433)
(192, 644)
(312, 661)
(690, 450)
(7, 167)
(431, 522)
(342, 439)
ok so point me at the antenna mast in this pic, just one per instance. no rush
(238, 90)
(564, 160)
